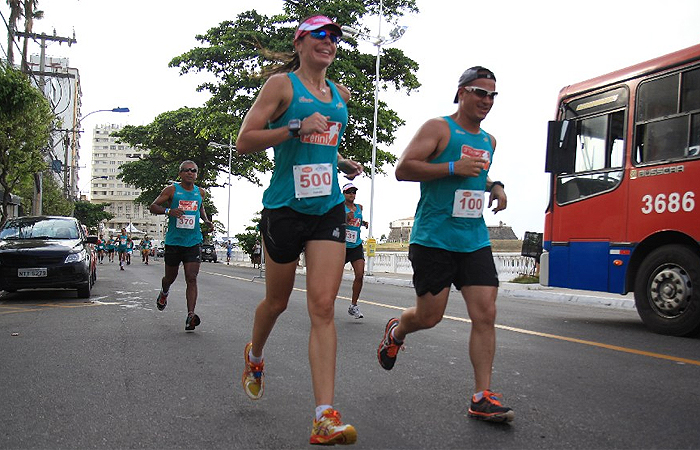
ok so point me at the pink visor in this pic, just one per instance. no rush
(315, 23)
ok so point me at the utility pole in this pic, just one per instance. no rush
(43, 37)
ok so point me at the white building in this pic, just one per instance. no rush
(105, 187)
(400, 230)
(60, 84)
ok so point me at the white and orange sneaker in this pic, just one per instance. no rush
(330, 430)
(253, 376)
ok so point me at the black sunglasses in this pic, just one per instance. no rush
(481, 93)
(190, 169)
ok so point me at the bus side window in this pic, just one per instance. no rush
(662, 140)
(690, 91)
(690, 101)
(694, 147)
(666, 129)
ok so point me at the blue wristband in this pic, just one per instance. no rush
(451, 167)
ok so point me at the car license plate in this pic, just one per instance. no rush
(32, 272)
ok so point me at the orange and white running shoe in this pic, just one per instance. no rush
(253, 376)
(489, 408)
(330, 430)
(389, 347)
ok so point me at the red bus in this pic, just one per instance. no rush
(624, 159)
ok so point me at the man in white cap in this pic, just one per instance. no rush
(354, 253)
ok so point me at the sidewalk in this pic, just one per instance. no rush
(525, 291)
(517, 290)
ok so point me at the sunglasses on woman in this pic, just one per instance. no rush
(322, 34)
(481, 93)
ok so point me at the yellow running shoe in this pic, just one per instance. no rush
(330, 430)
(253, 376)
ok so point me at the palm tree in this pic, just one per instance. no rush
(30, 13)
(16, 12)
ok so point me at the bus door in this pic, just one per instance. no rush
(587, 218)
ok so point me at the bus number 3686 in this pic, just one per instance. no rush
(672, 203)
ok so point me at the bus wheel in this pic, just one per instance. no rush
(667, 291)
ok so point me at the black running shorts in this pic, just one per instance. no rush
(285, 231)
(434, 269)
(176, 254)
(352, 254)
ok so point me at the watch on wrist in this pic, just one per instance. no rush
(167, 211)
(496, 183)
(294, 126)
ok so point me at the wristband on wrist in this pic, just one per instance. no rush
(496, 183)
(167, 211)
(451, 167)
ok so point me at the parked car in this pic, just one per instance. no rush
(46, 252)
(208, 253)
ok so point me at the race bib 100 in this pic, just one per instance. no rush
(468, 203)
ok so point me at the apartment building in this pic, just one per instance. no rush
(60, 84)
(107, 159)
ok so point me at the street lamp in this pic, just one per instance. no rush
(228, 212)
(118, 109)
(377, 41)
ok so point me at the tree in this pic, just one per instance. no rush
(30, 14)
(25, 124)
(237, 52)
(252, 234)
(171, 138)
(54, 201)
(91, 214)
(16, 11)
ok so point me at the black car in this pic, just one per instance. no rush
(208, 253)
(46, 252)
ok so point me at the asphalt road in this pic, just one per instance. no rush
(114, 372)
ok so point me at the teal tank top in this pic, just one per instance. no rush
(449, 212)
(185, 231)
(352, 227)
(305, 177)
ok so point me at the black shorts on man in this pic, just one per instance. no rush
(435, 269)
(176, 254)
(352, 254)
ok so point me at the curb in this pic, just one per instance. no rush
(561, 295)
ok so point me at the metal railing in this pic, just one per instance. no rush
(508, 265)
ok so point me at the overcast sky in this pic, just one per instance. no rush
(535, 48)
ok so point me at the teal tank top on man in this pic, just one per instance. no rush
(449, 214)
(305, 177)
(185, 231)
(352, 227)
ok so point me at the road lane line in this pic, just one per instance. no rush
(14, 309)
(524, 331)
